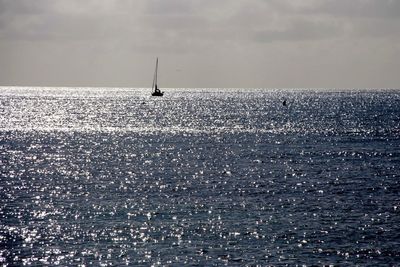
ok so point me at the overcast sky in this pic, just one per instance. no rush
(201, 43)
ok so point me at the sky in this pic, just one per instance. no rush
(201, 43)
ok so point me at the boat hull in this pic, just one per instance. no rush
(157, 93)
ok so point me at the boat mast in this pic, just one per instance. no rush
(155, 76)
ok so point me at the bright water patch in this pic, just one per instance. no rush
(206, 176)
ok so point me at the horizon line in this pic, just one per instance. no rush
(211, 88)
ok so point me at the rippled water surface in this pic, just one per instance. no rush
(111, 176)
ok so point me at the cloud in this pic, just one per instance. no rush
(299, 30)
(194, 21)
(385, 9)
(340, 8)
(62, 20)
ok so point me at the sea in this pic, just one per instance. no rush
(199, 177)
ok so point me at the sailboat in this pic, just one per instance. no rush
(155, 90)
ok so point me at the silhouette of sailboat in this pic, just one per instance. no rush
(154, 88)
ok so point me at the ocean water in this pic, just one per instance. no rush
(112, 176)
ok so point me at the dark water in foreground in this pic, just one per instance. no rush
(203, 177)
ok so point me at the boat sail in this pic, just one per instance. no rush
(154, 88)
